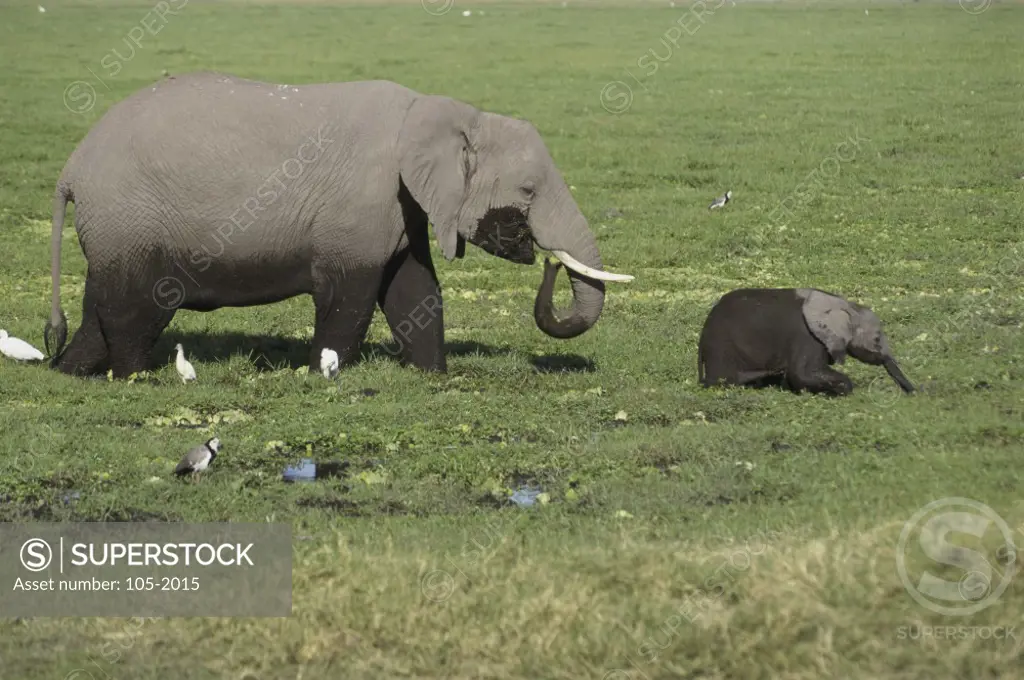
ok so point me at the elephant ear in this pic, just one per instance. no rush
(830, 320)
(437, 160)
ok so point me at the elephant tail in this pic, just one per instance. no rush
(56, 332)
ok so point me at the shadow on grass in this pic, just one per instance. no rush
(272, 352)
(563, 363)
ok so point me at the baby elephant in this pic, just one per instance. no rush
(790, 337)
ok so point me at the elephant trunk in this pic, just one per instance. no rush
(580, 318)
(582, 261)
(894, 371)
(587, 303)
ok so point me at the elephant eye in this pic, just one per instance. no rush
(527, 192)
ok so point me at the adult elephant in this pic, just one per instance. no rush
(206, 190)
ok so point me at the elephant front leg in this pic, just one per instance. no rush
(809, 370)
(410, 298)
(344, 308)
(823, 380)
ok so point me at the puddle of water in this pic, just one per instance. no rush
(305, 471)
(309, 470)
(525, 496)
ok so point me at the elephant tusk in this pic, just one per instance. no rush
(577, 266)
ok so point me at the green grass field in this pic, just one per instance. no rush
(411, 561)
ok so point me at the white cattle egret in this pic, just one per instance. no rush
(185, 369)
(198, 458)
(18, 349)
(721, 201)
(328, 362)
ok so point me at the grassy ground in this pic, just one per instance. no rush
(410, 561)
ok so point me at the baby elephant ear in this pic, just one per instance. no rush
(830, 319)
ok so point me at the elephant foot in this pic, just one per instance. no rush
(828, 382)
(429, 365)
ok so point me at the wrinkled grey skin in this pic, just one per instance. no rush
(544, 313)
(205, 190)
(790, 337)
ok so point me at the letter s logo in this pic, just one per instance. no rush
(973, 589)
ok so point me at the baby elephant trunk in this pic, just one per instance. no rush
(893, 370)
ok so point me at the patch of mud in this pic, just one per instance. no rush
(349, 508)
(493, 502)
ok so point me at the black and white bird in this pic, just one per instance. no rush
(721, 201)
(198, 458)
(328, 362)
(185, 369)
(18, 349)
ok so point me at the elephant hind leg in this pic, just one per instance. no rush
(87, 353)
(410, 298)
(344, 302)
(132, 329)
(137, 299)
(722, 368)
